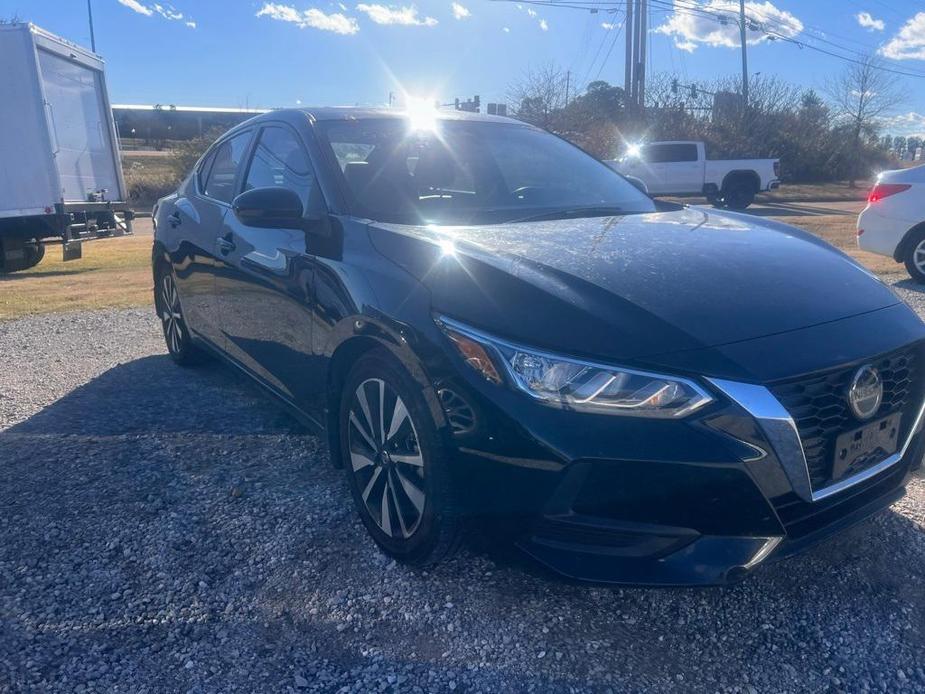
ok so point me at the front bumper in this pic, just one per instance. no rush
(699, 501)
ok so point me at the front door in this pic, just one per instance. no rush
(198, 217)
(265, 276)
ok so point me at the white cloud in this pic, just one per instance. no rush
(312, 18)
(543, 25)
(168, 12)
(909, 43)
(868, 22)
(460, 11)
(506, 30)
(531, 13)
(905, 125)
(390, 14)
(721, 29)
(136, 6)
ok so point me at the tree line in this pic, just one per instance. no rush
(834, 133)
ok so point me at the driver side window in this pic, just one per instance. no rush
(280, 160)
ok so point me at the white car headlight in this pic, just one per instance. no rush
(573, 383)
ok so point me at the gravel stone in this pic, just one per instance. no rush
(164, 529)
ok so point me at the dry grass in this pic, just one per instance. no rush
(818, 192)
(113, 273)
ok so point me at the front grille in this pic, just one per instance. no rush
(819, 407)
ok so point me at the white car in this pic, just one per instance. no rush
(893, 223)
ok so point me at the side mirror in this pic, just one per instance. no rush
(638, 183)
(273, 207)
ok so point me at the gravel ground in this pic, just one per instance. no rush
(172, 530)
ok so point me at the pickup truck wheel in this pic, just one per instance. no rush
(739, 194)
(180, 343)
(915, 256)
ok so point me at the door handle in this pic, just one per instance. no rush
(175, 220)
(225, 245)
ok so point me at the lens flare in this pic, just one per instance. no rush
(422, 114)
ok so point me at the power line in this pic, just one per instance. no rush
(716, 15)
(613, 43)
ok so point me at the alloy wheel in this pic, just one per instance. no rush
(386, 458)
(918, 256)
(171, 315)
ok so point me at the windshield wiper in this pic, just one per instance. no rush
(571, 213)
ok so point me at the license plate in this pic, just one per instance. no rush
(866, 446)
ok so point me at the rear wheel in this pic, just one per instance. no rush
(738, 195)
(18, 256)
(180, 343)
(915, 256)
(395, 463)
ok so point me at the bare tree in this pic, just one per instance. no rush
(539, 95)
(860, 96)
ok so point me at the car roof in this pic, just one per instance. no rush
(336, 113)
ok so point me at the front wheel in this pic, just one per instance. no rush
(395, 463)
(915, 257)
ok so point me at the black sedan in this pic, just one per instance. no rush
(490, 324)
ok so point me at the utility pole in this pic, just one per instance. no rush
(637, 26)
(742, 28)
(627, 30)
(641, 40)
(92, 37)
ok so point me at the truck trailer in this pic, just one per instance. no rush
(60, 170)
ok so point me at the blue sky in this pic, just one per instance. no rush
(322, 52)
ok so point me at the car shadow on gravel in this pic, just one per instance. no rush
(910, 285)
(153, 395)
(174, 529)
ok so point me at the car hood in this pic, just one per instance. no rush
(635, 285)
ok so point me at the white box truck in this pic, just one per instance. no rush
(60, 171)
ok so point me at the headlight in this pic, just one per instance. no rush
(575, 384)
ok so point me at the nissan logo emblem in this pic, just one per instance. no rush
(866, 392)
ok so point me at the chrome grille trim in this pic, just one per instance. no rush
(782, 433)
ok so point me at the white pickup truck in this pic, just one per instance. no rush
(682, 168)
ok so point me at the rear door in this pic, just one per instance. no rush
(674, 167)
(77, 113)
(196, 221)
(265, 275)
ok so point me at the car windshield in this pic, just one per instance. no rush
(471, 172)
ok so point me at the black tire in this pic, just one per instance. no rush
(32, 254)
(738, 195)
(405, 506)
(180, 345)
(915, 246)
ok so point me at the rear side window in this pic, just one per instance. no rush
(661, 154)
(225, 162)
(280, 160)
(202, 173)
